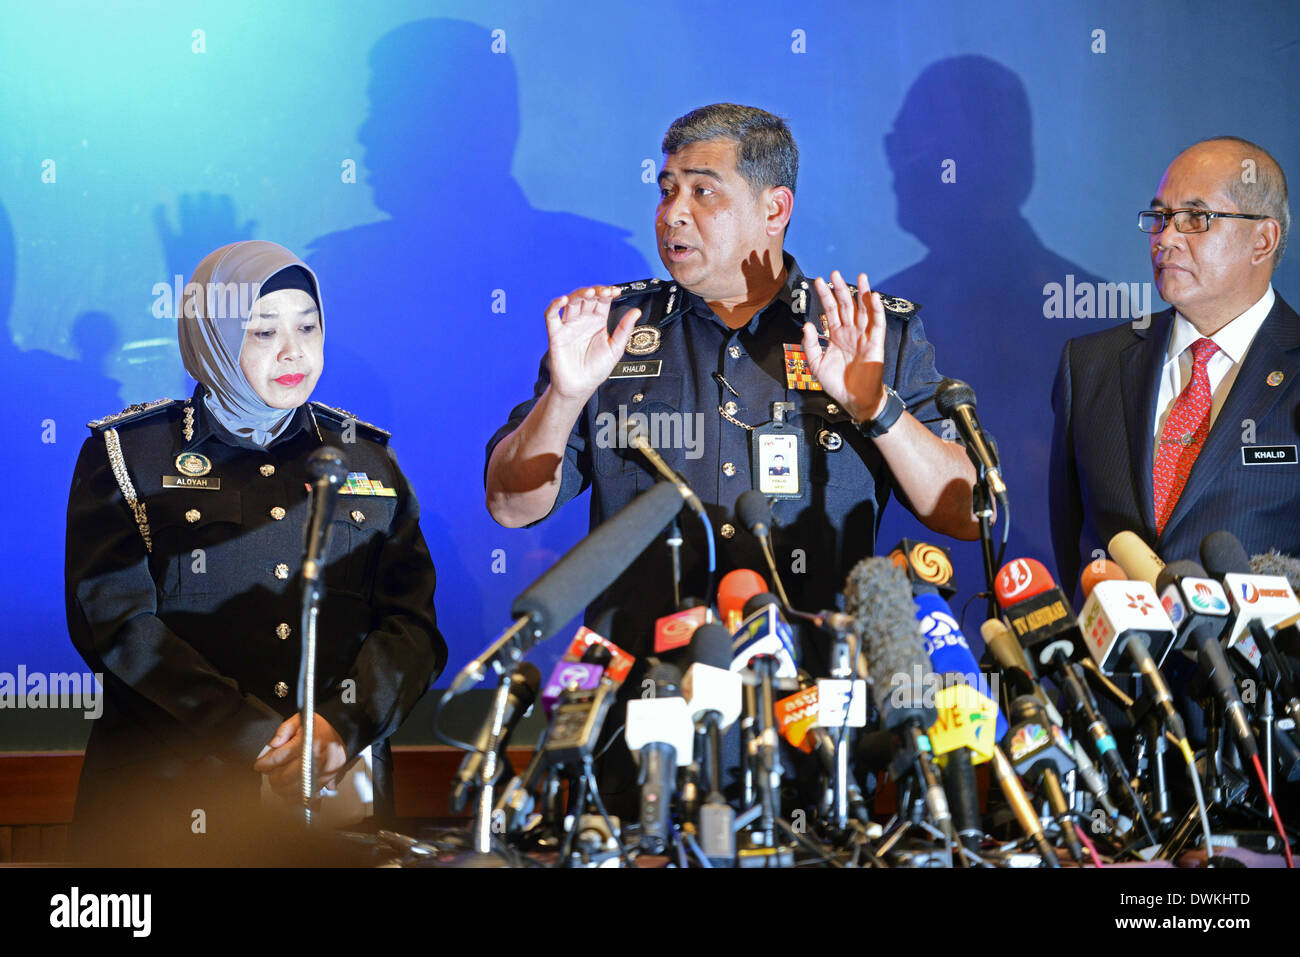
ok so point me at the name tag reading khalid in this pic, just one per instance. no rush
(1268, 455)
(778, 465)
(633, 370)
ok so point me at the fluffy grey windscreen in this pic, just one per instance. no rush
(879, 598)
(1273, 562)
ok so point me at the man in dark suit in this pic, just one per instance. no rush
(1186, 422)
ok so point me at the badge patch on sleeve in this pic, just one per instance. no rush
(797, 375)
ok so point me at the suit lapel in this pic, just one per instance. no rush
(1140, 366)
(1276, 348)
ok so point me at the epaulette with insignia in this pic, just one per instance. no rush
(665, 295)
(641, 286)
(131, 413)
(342, 417)
(903, 308)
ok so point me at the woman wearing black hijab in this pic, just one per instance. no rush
(182, 575)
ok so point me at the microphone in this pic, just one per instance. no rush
(634, 436)
(328, 472)
(928, 567)
(969, 723)
(1030, 598)
(736, 588)
(765, 631)
(1015, 667)
(956, 401)
(1041, 754)
(660, 734)
(1202, 609)
(713, 696)
(878, 598)
(754, 512)
(1038, 612)
(523, 692)
(1126, 616)
(595, 562)
(1275, 564)
(1015, 794)
(1260, 602)
(1137, 559)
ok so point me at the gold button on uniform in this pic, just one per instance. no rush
(267, 470)
(282, 571)
(832, 408)
(277, 513)
(192, 516)
(638, 397)
(734, 352)
(281, 689)
(730, 408)
(358, 516)
(728, 469)
(282, 630)
(728, 530)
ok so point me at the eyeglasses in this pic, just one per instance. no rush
(1185, 220)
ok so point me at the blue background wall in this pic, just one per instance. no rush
(515, 176)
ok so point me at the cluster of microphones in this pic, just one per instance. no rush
(1156, 721)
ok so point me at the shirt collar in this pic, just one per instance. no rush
(205, 426)
(795, 297)
(1233, 339)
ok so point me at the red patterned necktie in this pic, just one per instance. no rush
(1184, 432)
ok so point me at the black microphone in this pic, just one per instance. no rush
(328, 472)
(524, 685)
(713, 695)
(596, 562)
(956, 400)
(879, 598)
(1260, 602)
(661, 735)
(1202, 615)
(754, 513)
(1042, 756)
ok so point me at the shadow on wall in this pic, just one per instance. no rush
(962, 155)
(434, 313)
(47, 400)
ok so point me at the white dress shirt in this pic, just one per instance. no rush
(1233, 340)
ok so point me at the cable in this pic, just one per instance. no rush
(1200, 797)
(447, 739)
(1092, 851)
(1277, 818)
(1006, 533)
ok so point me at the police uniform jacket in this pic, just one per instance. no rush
(183, 591)
(684, 362)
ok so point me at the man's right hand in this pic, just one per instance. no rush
(583, 353)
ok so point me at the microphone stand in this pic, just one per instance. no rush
(982, 505)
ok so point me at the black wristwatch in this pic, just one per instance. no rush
(894, 407)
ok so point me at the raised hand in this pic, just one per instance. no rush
(583, 352)
(851, 366)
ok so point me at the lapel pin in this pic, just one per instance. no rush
(1275, 378)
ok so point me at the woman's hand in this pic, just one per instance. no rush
(282, 764)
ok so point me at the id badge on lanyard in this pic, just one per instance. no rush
(776, 449)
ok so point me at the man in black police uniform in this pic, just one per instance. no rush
(190, 608)
(734, 342)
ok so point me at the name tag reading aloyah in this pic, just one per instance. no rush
(191, 481)
(1268, 455)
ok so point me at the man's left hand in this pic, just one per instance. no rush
(851, 366)
(282, 764)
